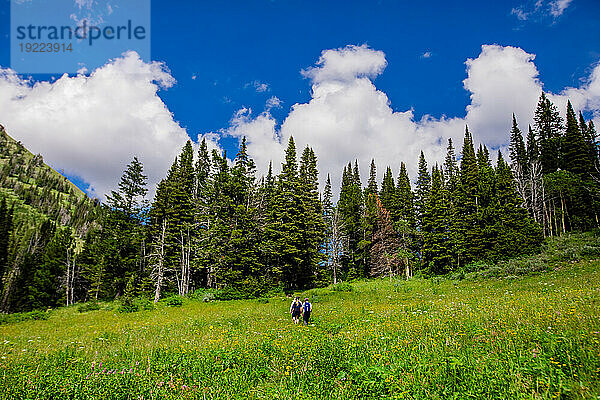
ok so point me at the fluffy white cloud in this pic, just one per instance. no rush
(347, 64)
(92, 126)
(347, 118)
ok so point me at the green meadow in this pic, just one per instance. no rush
(492, 335)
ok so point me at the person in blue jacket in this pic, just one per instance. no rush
(306, 310)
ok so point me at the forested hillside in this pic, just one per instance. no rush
(213, 225)
(43, 217)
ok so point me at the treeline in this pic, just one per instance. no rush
(213, 225)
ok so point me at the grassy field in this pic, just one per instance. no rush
(532, 336)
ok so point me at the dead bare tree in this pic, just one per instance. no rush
(338, 244)
(70, 264)
(183, 277)
(158, 261)
(384, 251)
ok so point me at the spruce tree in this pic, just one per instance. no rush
(405, 198)
(518, 153)
(467, 201)
(575, 148)
(6, 228)
(284, 228)
(548, 128)
(515, 233)
(350, 207)
(387, 195)
(422, 191)
(437, 252)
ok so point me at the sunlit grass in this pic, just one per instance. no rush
(527, 337)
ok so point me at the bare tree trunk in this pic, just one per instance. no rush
(563, 211)
(99, 282)
(338, 243)
(68, 278)
(159, 270)
(183, 281)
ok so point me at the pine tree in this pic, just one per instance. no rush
(422, 191)
(575, 148)
(350, 207)
(405, 198)
(436, 226)
(515, 232)
(6, 228)
(548, 128)
(387, 195)
(328, 216)
(369, 219)
(451, 175)
(405, 224)
(284, 229)
(124, 229)
(518, 154)
(313, 222)
(468, 201)
(372, 182)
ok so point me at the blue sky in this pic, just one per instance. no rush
(271, 41)
(228, 56)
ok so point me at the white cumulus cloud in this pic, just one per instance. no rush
(92, 126)
(348, 118)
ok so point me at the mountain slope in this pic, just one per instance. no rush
(39, 205)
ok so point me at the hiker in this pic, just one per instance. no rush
(295, 310)
(306, 309)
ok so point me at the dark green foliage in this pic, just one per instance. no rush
(173, 301)
(576, 157)
(87, 307)
(422, 191)
(548, 129)
(350, 207)
(216, 232)
(135, 305)
(437, 223)
(342, 287)
(25, 316)
(518, 153)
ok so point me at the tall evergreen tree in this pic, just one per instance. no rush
(468, 202)
(575, 148)
(422, 191)
(350, 207)
(6, 228)
(387, 195)
(548, 128)
(518, 154)
(405, 198)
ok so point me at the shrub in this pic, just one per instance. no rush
(342, 287)
(90, 306)
(262, 300)
(135, 305)
(25, 316)
(174, 301)
(457, 276)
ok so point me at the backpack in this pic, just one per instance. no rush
(296, 306)
(307, 307)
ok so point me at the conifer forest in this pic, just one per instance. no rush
(213, 224)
